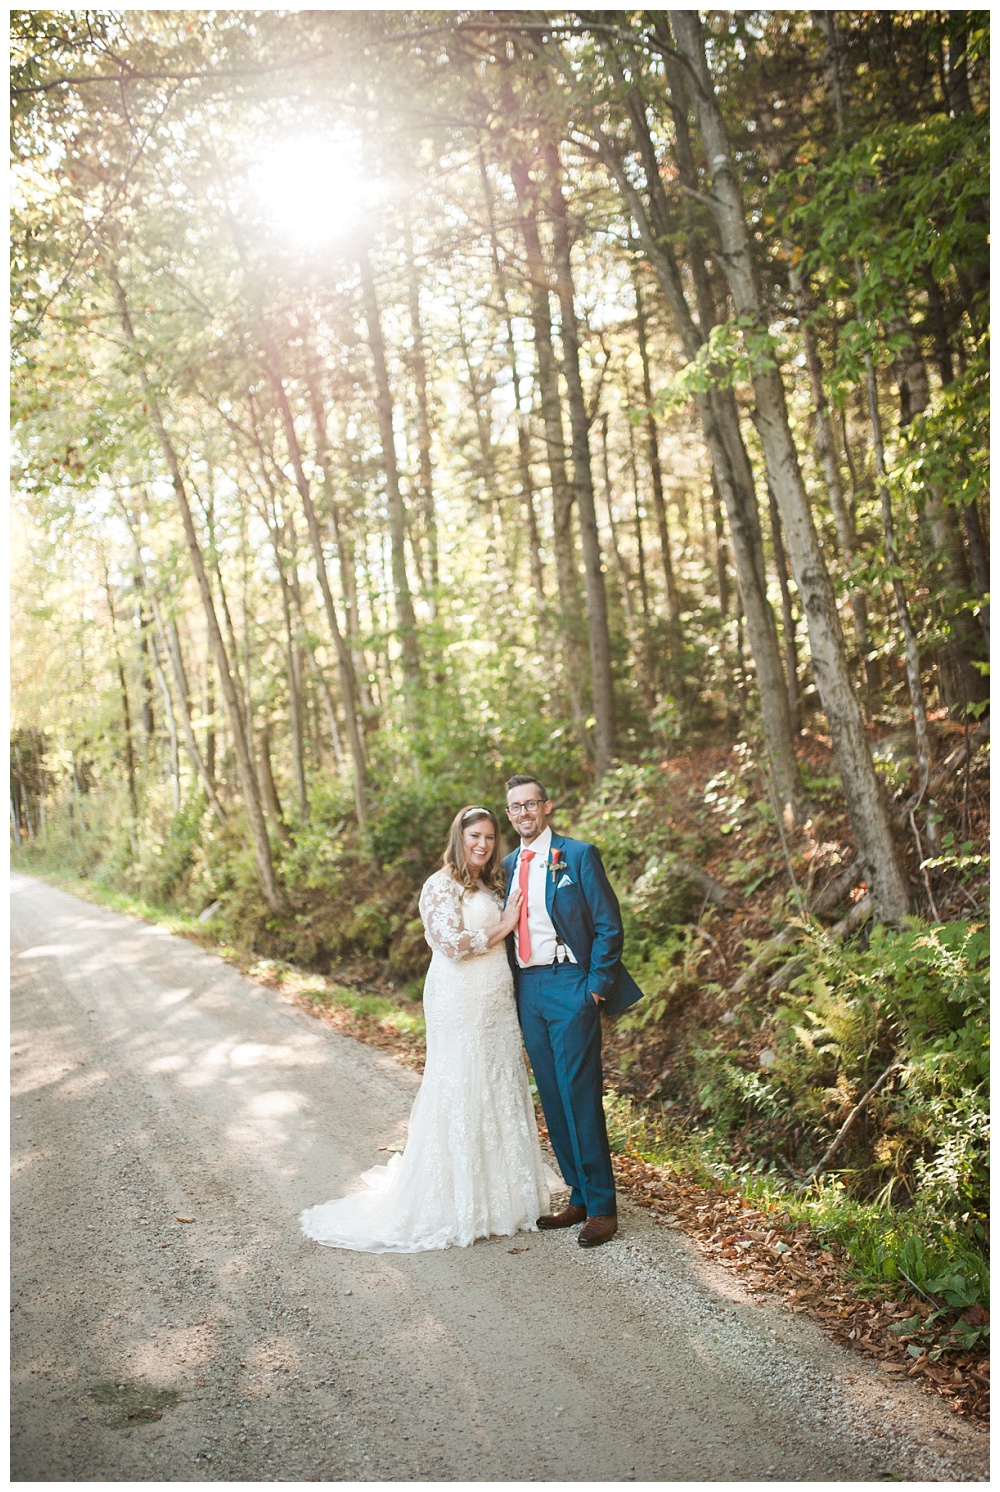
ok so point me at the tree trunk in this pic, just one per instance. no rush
(899, 592)
(979, 558)
(826, 446)
(479, 398)
(732, 472)
(293, 662)
(168, 715)
(171, 645)
(866, 805)
(738, 494)
(146, 674)
(653, 456)
(209, 728)
(623, 575)
(909, 369)
(636, 632)
(598, 636)
(964, 640)
(343, 541)
(721, 548)
(518, 383)
(271, 889)
(406, 621)
(344, 663)
(133, 797)
(347, 569)
(640, 545)
(425, 469)
(268, 787)
(567, 577)
(791, 655)
(317, 672)
(326, 699)
(229, 631)
(239, 674)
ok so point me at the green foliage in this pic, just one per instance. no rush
(372, 1007)
(920, 997)
(616, 811)
(668, 970)
(911, 1249)
(657, 1137)
(908, 1193)
(663, 896)
(414, 816)
(324, 847)
(908, 198)
(624, 1120)
(733, 353)
(732, 1094)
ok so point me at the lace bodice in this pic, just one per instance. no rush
(457, 922)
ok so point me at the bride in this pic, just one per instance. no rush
(472, 1166)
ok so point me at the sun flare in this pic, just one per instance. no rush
(313, 188)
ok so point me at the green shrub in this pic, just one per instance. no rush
(664, 896)
(668, 970)
(618, 817)
(732, 1094)
(918, 996)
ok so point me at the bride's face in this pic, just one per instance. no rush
(478, 840)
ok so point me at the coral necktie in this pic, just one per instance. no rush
(523, 937)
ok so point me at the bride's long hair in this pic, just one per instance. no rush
(455, 861)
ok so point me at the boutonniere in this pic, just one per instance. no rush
(555, 863)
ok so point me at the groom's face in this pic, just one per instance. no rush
(528, 811)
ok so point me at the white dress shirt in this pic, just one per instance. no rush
(540, 930)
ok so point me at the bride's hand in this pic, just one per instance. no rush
(511, 912)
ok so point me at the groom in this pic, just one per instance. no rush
(566, 959)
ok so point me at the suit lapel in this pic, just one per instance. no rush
(550, 880)
(509, 862)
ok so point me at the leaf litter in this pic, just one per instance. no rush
(776, 1257)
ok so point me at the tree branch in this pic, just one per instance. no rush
(838, 1139)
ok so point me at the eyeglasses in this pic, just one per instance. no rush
(514, 810)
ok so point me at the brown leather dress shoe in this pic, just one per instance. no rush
(564, 1219)
(597, 1230)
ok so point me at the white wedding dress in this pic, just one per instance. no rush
(472, 1166)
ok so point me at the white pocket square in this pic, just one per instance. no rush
(566, 881)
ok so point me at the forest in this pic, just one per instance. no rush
(406, 399)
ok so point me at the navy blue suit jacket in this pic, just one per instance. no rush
(585, 914)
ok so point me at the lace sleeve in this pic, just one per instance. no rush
(444, 926)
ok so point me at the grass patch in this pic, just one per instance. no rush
(653, 1137)
(133, 1402)
(329, 995)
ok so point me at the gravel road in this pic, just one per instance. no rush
(152, 1083)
